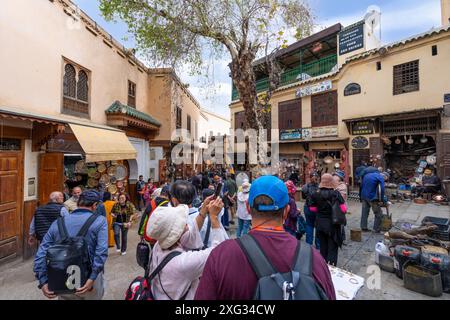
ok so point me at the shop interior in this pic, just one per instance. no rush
(111, 176)
(403, 155)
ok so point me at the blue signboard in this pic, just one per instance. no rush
(447, 97)
(351, 39)
(291, 134)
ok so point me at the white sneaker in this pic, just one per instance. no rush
(118, 250)
(124, 253)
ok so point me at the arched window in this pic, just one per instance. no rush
(69, 81)
(82, 86)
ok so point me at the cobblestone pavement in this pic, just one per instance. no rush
(17, 279)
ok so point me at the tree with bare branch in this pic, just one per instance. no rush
(176, 32)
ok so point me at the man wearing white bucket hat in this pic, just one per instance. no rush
(169, 226)
(243, 213)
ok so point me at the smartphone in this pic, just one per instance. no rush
(218, 190)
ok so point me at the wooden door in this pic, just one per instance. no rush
(11, 190)
(376, 152)
(359, 155)
(443, 148)
(51, 175)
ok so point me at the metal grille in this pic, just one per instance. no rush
(69, 81)
(410, 126)
(82, 86)
(131, 94)
(178, 123)
(406, 77)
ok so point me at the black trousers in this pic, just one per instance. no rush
(328, 248)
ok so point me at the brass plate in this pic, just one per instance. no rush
(92, 183)
(79, 166)
(112, 189)
(91, 172)
(105, 180)
(101, 168)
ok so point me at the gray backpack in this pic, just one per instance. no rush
(298, 284)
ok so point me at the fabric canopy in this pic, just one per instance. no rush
(103, 145)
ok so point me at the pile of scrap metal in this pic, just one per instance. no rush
(416, 237)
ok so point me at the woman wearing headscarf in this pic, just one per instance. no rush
(329, 234)
(108, 203)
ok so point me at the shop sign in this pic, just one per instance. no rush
(351, 89)
(447, 98)
(351, 38)
(360, 142)
(307, 133)
(362, 127)
(315, 88)
(324, 132)
(290, 134)
(9, 144)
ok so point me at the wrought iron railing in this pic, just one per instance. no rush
(312, 69)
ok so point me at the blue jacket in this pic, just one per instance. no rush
(369, 187)
(96, 238)
(101, 209)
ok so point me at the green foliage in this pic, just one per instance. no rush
(179, 32)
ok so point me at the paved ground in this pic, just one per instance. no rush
(17, 280)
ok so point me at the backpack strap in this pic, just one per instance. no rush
(256, 257)
(163, 263)
(62, 228)
(303, 259)
(84, 229)
(208, 232)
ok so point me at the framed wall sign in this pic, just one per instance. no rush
(291, 134)
(351, 89)
(351, 38)
(324, 132)
(362, 127)
(315, 88)
(447, 98)
(360, 142)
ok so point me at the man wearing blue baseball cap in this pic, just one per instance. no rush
(96, 239)
(228, 273)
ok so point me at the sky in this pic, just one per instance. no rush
(399, 19)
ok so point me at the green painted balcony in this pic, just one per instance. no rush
(313, 69)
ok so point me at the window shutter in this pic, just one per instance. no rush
(324, 109)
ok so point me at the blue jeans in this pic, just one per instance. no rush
(225, 219)
(243, 227)
(310, 222)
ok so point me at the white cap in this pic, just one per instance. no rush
(167, 224)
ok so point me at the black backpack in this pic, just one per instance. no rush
(298, 284)
(68, 262)
(140, 287)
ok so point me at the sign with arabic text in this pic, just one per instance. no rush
(362, 127)
(324, 132)
(315, 88)
(291, 134)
